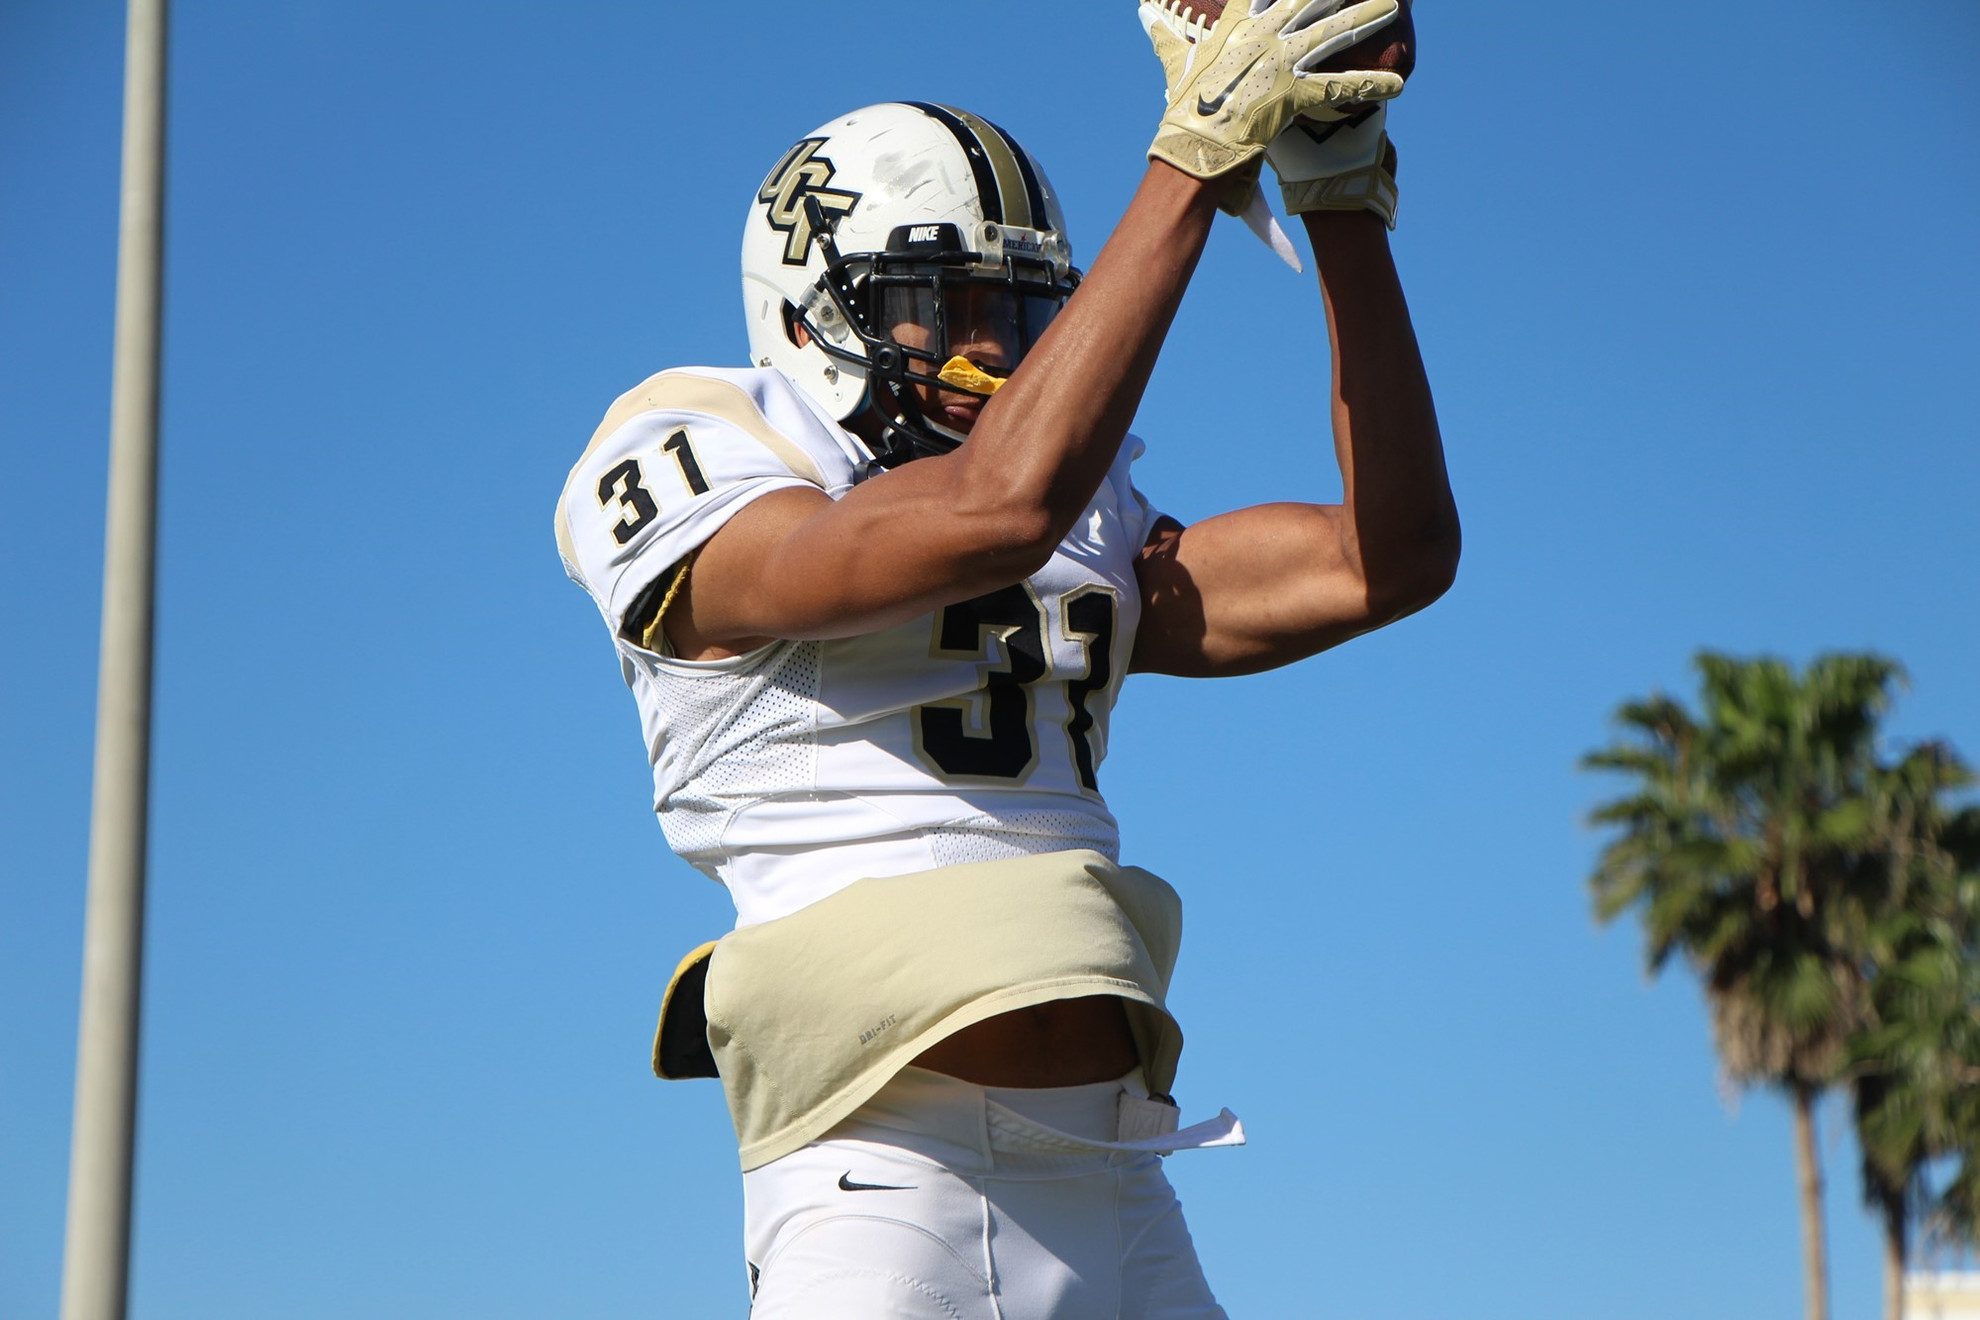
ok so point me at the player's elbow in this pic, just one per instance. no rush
(1010, 533)
(1409, 577)
(1435, 576)
(1016, 541)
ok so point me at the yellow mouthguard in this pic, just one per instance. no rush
(963, 374)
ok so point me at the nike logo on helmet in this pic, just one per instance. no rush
(1205, 106)
(846, 1184)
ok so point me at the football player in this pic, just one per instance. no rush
(875, 595)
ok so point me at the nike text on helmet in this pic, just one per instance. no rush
(898, 236)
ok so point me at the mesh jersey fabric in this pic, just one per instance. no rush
(971, 734)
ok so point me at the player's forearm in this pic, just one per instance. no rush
(1401, 525)
(1045, 442)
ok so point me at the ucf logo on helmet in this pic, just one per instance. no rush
(802, 173)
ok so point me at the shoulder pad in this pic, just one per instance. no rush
(760, 403)
(674, 459)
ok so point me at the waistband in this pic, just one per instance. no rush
(963, 1125)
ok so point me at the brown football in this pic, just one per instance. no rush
(1392, 49)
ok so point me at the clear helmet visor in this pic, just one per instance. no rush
(992, 323)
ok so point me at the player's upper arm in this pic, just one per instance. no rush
(921, 536)
(1252, 590)
(796, 565)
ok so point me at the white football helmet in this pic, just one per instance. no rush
(905, 218)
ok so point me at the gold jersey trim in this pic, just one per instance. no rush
(650, 634)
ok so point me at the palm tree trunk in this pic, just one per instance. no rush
(1894, 1256)
(1808, 1169)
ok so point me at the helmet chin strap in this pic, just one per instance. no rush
(895, 430)
(892, 443)
(886, 445)
(892, 447)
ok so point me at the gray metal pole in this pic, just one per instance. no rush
(96, 1268)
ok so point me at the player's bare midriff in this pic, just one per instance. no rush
(1068, 1042)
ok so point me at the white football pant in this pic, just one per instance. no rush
(942, 1200)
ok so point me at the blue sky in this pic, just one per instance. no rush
(1696, 291)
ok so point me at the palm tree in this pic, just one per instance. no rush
(1740, 847)
(1917, 1071)
(1916, 1061)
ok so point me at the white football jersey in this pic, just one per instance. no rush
(973, 733)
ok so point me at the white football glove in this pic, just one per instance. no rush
(1338, 166)
(1240, 84)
